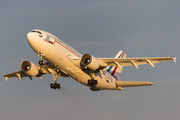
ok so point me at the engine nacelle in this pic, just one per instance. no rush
(90, 62)
(29, 68)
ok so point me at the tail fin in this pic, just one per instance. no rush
(121, 54)
(116, 71)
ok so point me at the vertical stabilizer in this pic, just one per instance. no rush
(115, 71)
(121, 54)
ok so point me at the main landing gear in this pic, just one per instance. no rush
(92, 82)
(55, 85)
(55, 76)
(91, 74)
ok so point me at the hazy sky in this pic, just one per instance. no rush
(141, 28)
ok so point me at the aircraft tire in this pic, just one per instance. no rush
(41, 62)
(89, 82)
(58, 86)
(55, 85)
(51, 85)
(95, 82)
(92, 82)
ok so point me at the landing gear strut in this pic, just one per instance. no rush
(55, 77)
(53, 72)
(41, 55)
(92, 82)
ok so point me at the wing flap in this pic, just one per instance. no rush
(132, 83)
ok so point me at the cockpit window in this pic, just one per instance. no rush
(37, 32)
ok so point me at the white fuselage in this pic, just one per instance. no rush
(59, 53)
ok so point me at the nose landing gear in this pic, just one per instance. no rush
(55, 73)
(41, 55)
(41, 62)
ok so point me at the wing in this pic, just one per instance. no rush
(133, 61)
(18, 74)
(43, 69)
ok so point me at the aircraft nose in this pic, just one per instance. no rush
(32, 40)
(29, 36)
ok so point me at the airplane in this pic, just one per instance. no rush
(59, 59)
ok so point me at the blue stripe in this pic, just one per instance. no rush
(109, 69)
(120, 55)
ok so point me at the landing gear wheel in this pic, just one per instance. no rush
(92, 82)
(89, 82)
(95, 82)
(51, 85)
(41, 62)
(58, 86)
(55, 85)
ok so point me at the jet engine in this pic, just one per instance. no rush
(90, 62)
(29, 68)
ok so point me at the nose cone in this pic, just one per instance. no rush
(32, 40)
(30, 37)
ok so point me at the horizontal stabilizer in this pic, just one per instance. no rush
(132, 83)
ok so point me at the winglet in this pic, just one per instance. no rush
(174, 59)
(6, 78)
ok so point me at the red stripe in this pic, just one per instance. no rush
(122, 55)
(114, 71)
(49, 42)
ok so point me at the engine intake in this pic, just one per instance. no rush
(29, 68)
(90, 61)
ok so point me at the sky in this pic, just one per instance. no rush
(141, 28)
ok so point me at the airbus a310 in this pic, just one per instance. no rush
(59, 59)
